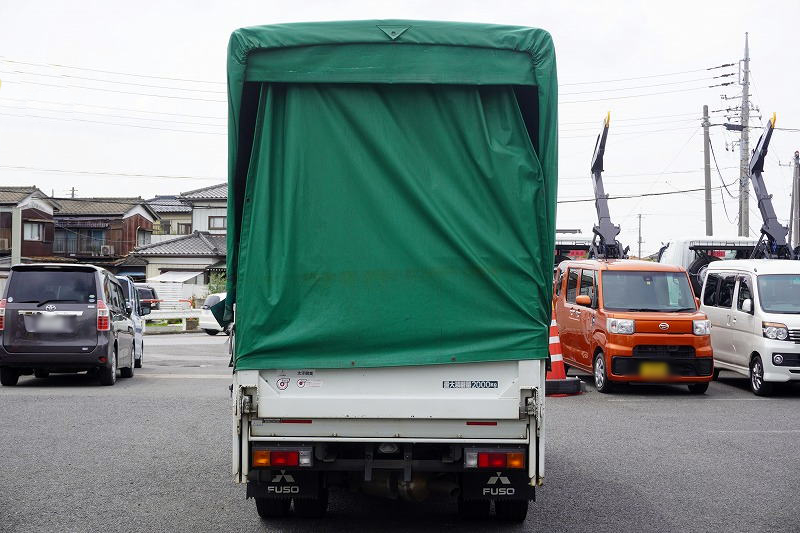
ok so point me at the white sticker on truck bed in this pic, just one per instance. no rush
(473, 384)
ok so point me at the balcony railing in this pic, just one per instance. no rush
(84, 246)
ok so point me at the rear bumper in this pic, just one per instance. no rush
(85, 360)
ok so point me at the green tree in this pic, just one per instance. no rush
(217, 282)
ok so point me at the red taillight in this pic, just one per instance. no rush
(2, 314)
(103, 316)
(284, 458)
(491, 460)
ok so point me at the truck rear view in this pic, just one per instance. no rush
(391, 228)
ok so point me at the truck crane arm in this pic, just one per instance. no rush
(773, 243)
(604, 244)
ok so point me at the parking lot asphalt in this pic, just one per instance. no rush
(152, 453)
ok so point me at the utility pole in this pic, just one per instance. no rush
(72, 192)
(640, 236)
(707, 168)
(794, 220)
(744, 147)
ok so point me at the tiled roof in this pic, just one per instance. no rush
(198, 243)
(214, 192)
(169, 204)
(98, 206)
(14, 195)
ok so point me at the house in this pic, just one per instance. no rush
(36, 229)
(209, 208)
(188, 259)
(175, 217)
(102, 230)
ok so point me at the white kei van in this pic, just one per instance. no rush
(754, 309)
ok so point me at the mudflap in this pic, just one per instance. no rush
(283, 484)
(497, 485)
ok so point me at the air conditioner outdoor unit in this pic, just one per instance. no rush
(106, 249)
(4, 244)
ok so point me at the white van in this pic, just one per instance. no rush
(754, 309)
(208, 323)
(694, 254)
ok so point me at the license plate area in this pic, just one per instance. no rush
(653, 369)
(50, 324)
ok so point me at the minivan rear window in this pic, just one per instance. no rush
(146, 294)
(57, 285)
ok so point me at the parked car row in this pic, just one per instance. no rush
(70, 318)
(634, 321)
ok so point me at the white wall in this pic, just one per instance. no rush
(156, 264)
(200, 216)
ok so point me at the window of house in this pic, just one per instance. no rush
(33, 231)
(217, 222)
(142, 237)
(162, 227)
(184, 228)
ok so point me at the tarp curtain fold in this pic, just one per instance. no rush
(391, 225)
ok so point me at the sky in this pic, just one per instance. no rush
(100, 129)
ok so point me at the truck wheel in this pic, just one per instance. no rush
(698, 388)
(9, 376)
(41, 373)
(108, 374)
(600, 375)
(211, 331)
(511, 510)
(474, 509)
(312, 508)
(757, 383)
(269, 508)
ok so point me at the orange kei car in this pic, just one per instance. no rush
(632, 321)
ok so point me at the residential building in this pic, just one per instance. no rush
(209, 208)
(175, 217)
(102, 230)
(36, 230)
(191, 258)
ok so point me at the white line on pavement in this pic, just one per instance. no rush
(792, 431)
(187, 376)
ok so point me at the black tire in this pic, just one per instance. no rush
(511, 510)
(41, 373)
(8, 376)
(601, 381)
(698, 388)
(269, 508)
(137, 363)
(312, 508)
(474, 509)
(715, 376)
(108, 374)
(757, 383)
(211, 331)
(696, 269)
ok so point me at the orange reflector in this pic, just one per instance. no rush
(515, 460)
(260, 457)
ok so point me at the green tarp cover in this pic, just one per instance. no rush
(392, 193)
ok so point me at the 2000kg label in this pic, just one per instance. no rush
(469, 384)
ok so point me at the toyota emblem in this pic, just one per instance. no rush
(663, 325)
(50, 307)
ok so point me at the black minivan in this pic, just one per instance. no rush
(64, 318)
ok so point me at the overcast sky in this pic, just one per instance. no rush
(120, 132)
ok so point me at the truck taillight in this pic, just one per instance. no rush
(494, 459)
(2, 314)
(281, 457)
(103, 316)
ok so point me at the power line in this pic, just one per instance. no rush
(642, 195)
(684, 128)
(674, 121)
(636, 87)
(116, 91)
(102, 173)
(118, 73)
(170, 87)
(634, 118)
(116, 108)
(112, 115)
(649, 76)
(634, 95)
(70, 119)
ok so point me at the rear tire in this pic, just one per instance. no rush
(137, 363)
(511, 510)
(698, 388)
(268, 508)
(715, 376)
(108, 374)
(600, 374)
(9, 376)
(474, 509)
(41, 373)
(308, 508)
(757, 383)
(212, 331)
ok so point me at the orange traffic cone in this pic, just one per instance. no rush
(557, 383)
